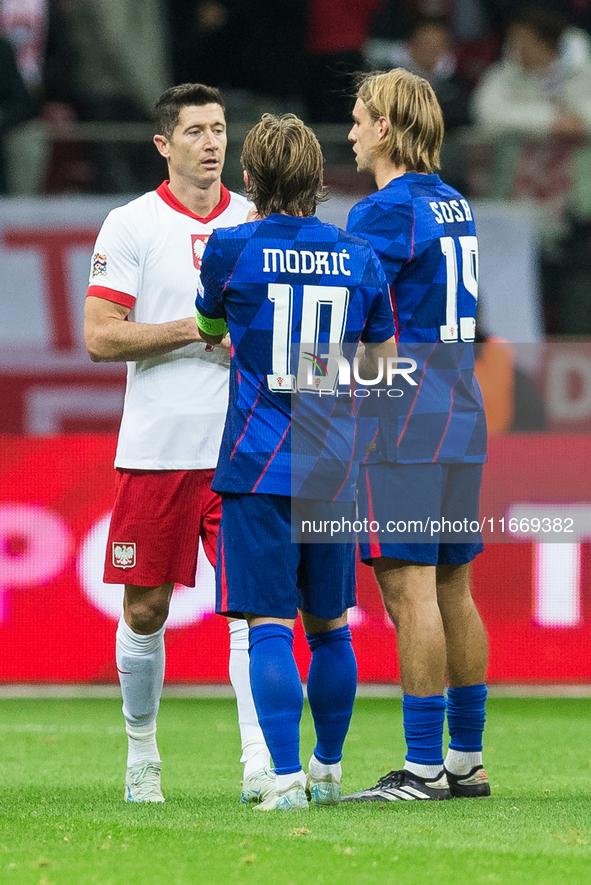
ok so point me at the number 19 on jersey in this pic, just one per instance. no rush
(467, 325)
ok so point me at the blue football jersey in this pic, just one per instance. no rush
(286, 284)
(424, 234)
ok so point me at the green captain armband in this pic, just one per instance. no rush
(211, 327)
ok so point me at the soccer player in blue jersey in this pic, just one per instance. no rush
(425, 460)
(287, 279)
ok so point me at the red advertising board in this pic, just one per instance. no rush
(57, 618)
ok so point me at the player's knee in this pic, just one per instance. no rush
(407, 598)
(147, 615)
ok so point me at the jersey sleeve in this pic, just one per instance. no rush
(380, 321)
(115, 265)
(388, 230)
(212, 282)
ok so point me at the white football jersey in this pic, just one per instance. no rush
(147, 257)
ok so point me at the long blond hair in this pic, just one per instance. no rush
(415, 133)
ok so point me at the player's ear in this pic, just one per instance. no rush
(162, 145)
(246, 179)
(383, 126)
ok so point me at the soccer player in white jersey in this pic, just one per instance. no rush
(140, 308)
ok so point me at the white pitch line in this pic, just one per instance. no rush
(364, 690)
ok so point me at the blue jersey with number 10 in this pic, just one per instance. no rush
(424, 235)
(280, 282)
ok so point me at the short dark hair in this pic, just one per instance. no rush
(285, 165)
(547, 24)
(168, 107)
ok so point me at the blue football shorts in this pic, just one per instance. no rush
(261, 571)
(424, 513)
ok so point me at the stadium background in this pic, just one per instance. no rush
(59, 413)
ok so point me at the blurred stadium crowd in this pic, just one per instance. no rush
(513, 79)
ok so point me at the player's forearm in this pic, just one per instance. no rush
(369, 356)
(117, 341)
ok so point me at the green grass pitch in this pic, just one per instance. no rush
(63, 820)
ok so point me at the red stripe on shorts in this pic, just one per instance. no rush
(374, 541)
(223, 580)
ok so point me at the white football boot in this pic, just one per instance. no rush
(293, 798)
(257, 786)
(142, 782)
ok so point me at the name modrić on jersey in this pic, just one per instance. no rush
(305, 262)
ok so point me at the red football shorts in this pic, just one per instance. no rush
(157, 521)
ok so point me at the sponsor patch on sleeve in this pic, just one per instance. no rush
(99, 265)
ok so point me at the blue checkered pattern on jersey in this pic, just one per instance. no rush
(424, 235)
(276, 441)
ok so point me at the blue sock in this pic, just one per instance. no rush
(277, 693)
(465, 717)
(423, 728)
(332, 681)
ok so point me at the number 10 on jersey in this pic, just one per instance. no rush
(336, 299)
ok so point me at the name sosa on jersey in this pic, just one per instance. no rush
(451, 210)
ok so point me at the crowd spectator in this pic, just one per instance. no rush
(428, 51)
(252, 49)
(16, 103)
(500, 13)
(23, 23)
(336, 32)
(477, 35)
(535, 104)
(119, 66)
(252, 46)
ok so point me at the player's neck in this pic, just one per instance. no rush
(200, 201)
(385, 172)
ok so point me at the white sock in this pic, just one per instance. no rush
(255, 754)
(427, 771)
(283, 781)
(460, 763)
(319, 769)
(141, 744)
(140, 664)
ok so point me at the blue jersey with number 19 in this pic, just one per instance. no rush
(424, 235)
(280, 282)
